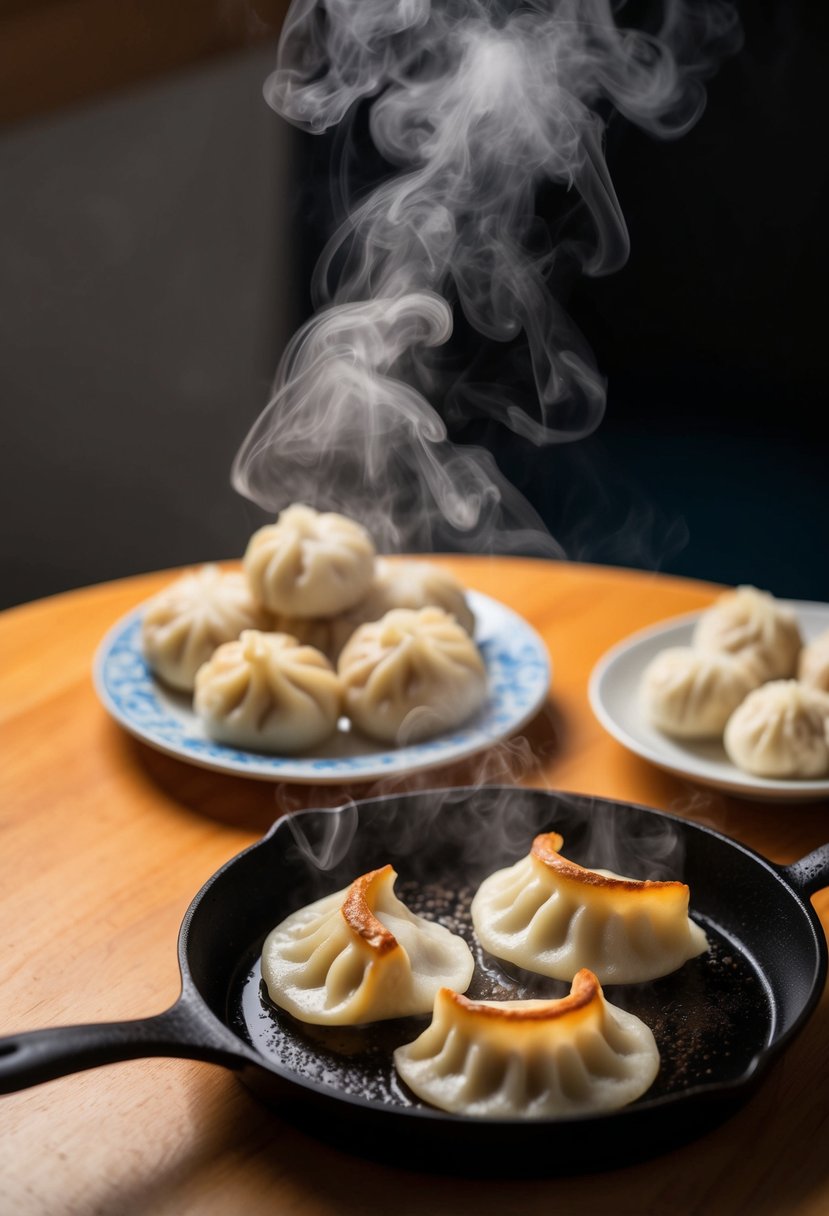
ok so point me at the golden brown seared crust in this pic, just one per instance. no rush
(585, 990)
(545, 849)
(359, 916)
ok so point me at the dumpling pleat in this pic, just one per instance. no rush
(574, 1082)
(600, 1060)
(316, 965)
(482, 1075)
(554, 917)
(361, 955)
(515, 1083)
(344, 977)
(550, 926)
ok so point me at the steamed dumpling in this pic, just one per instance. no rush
(267, 692)
(411, 675)
(415, 584)
(690, 694)
(551, 916)
(813, 663)
(309, 564)
(360, 955)
(533, 1059)
(780, 731)
(754, 625)
(405, 584)
(188, 619)
(328, 634)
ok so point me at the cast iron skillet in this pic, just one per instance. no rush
(720, 1021)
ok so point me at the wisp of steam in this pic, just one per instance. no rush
(476, 105)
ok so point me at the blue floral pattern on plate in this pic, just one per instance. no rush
(518, 669)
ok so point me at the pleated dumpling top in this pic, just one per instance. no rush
(268, 692)
(191, 617)
(530, 1059)
(360, 955)
(309, 563)
(411, 675)
(552, 916)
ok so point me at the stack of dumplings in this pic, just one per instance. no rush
(266, 654)
(309, 564)
(183, 625)
(749, 681)
(360, 956)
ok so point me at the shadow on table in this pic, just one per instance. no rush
(253, 805)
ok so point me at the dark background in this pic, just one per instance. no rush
(155, 245)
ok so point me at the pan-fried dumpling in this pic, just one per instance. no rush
(690, 694)
(360, 955)
(755, 625)
(411, 675)
(188, 619)
(551, 916)
(267, 692)
(574, 1056)
(813, 663)
(309, 564)
(780, 731)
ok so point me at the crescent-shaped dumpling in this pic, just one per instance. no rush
(309, 564)
(530, 1059)
(360, 955)
(552, 916)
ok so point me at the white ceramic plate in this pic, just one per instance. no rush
(613, 692)
(518, 670)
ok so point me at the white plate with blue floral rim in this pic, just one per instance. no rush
(614, 697)
(518, 670)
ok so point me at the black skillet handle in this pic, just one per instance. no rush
(811, 873)
(35, 1056)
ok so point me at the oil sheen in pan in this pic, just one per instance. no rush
(709, 1019)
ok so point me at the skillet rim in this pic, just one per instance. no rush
(643, 1109)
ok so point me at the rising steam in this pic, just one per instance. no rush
(476, 106)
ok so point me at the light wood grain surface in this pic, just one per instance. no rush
(105, 842)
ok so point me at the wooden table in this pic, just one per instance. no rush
(105, 842)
